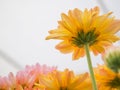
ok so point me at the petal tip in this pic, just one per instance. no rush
(47, 38)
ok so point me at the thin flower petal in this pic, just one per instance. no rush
(64, 47)
(78, 52)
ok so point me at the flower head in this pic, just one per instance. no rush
(26, 78)
(111, 58)
(8, 83)
(106, 78)
(31, 74)
(85, 27)
(65, 80)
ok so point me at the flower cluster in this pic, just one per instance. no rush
(84, 31)
(79, 32)
(42, 77)
(25, 79)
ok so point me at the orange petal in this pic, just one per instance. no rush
(99, 48)
(64, 47)
(78, 52)
(95, 52)
(114, 27)
(68, 23)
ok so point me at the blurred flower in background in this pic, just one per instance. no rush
(112, 58)
(42, 77)
(65, 80)
(106, 78)
(108, 75)
(25, 79)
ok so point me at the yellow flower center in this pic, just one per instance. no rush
(82, 38)
(115, 83)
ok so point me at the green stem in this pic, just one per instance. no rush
(90, 67)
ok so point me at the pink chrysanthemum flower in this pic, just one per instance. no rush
(3, 84)
(31, 74)
(26, 78)
(8, 83)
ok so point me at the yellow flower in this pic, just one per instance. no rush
(64, 80)
(107, 79)
(85, 27)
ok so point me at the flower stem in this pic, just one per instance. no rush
(90, 66)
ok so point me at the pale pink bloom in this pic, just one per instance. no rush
(26, 78)
(8, 83)
(31, 74)
(3, 84)
(40, 69)
(11, 81)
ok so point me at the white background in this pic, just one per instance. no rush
(24, 24)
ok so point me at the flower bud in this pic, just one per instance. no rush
(112, 58)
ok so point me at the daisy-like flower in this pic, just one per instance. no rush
(85, 27)
(107, 79)
(64, 80)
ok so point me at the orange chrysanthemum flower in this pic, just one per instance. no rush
(85, 27)
(64, 80)
(107, 79)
